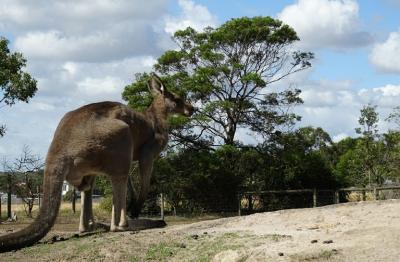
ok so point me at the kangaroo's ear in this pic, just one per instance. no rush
(155, 85)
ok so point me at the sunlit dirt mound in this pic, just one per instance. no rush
(346, 232)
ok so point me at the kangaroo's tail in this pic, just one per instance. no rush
(54, 175)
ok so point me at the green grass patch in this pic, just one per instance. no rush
(162, 251)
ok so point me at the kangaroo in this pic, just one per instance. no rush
(101, 139)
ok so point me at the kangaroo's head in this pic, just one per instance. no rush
(173, 103)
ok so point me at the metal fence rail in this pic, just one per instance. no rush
(159, 205)
(302, 198)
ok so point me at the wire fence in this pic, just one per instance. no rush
(264, 201)
(244, 203)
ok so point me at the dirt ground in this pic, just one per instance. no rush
(345, 232)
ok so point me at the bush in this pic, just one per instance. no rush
(68, 196)
(106, 203)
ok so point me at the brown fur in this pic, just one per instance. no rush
(101, 139)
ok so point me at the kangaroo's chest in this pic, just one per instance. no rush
(153, 144)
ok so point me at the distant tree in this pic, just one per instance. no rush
(27, 173)
(15, 84)
(299, 159)
(368, 148)
(368, 122)
(225, 71)
(391, 142)
(394, 117)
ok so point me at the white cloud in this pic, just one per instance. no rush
(335, 105)
(193, 15)
(75, 16)
(387, 96)
(104, 86)
(386, 56)
(339, 137)
(82, 51)
(100, 30)
(326, 23)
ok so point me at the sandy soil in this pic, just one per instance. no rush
(345, 232)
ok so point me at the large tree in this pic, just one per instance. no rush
(15, 84)
(225, 72)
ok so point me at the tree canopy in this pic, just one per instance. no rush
(16, 85)
(224, 71)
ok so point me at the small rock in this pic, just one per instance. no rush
(280, 254)
(205, 233)
(195, 236)
(62, 239)
(182, 245)
(328, 242)
(314, 241)
(54, 238)
(76, 236)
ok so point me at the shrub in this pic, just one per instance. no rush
(106, 203)
(68, 195)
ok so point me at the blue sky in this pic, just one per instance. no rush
(92, 51)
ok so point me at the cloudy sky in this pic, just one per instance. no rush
(87, 51)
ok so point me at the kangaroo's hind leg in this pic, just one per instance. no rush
(86, 220)
(118, 216)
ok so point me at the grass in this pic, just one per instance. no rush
(67, 216)
(205, 246)
(322, 255)
(142, 246)
(162, 251)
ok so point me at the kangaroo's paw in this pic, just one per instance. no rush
(118, 228)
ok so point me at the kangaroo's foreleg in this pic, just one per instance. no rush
(146, 161)
(86, 222)
(118, 216)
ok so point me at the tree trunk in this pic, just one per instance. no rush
(31, 202)
(73, 199)
(9, 188)
(250, 199)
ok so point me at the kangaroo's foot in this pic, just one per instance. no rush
(114, 228)
(91, 226)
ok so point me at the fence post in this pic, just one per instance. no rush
(162, 206)
(315, 197)
(239, 204)
(73, 199)
(38, 195)
(375, 194)
(337, 200)
(9, 181)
